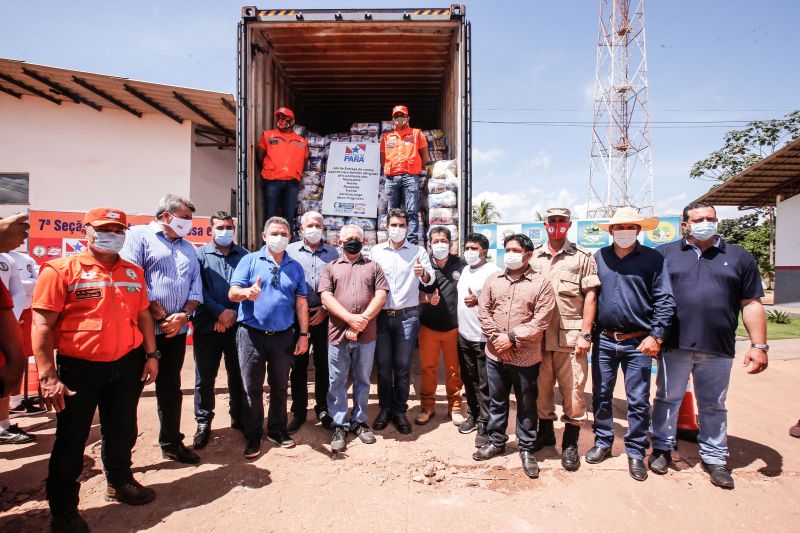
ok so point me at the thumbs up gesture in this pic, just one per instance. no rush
(435, 297)
(419, 270)
(470, 300)
(255, 290)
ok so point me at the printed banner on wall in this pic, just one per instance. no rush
(589, 234)
(668, 230)
(55, 234)
(351, 180)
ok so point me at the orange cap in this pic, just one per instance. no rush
(105, 216)
(400, 109)
(285, 111)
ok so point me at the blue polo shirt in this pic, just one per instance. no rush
(709, 288)
(635, 292)
(275, 309)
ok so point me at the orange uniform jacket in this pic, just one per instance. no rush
(98, 304)
(286, 155)
(402, 151)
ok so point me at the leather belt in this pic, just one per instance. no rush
(620, 336)
(395, 312)
(269, 332)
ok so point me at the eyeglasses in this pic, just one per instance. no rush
(275, 274)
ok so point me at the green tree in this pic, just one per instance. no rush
(485, 212)
(750, 234)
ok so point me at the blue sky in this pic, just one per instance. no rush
(534, 59)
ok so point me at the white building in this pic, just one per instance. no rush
(70, 141)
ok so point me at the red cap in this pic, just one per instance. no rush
(105, 216)
(400, 109)
(285, 111)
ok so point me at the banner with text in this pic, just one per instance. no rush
(351, 180)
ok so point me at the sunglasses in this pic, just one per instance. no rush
(275, 275)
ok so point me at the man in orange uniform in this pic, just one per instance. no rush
(92, 308)
(404, 152)
(283, 155)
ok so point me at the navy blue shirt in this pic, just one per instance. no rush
(216, 271)
(274, 310)
(635, 292)
(709, 289)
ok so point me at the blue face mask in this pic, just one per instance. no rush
(223, 237)
(702, 231)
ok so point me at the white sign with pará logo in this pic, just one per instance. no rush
(351, 180)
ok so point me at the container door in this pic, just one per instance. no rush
(466, 148)
(242, 235)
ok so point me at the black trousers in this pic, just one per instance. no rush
(318, 345)
(168, 388)
(209, 349)
(261, 356)
(472, 359)
(113, 387)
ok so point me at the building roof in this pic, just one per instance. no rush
(213, 112)
(760, 184)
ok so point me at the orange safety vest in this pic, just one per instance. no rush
(98, 306)
(402, 151)
(286, 155)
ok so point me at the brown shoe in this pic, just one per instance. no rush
(131, 493)
(794, 431)
(424, 416)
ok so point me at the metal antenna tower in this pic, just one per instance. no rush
(621, 170)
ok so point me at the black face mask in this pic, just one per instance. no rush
(352, 246)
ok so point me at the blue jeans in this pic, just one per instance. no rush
(358, 357)
(504, 377)
(280, 199)
(711, 374)
(608, 356)
(397, 337)
(402, 191)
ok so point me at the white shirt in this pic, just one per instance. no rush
(28, 274)
(398, 267)
(9, 274)
(473, 279)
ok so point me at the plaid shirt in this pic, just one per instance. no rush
(523, 307)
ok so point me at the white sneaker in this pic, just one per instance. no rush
(457, 417)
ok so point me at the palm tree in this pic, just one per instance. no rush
(485, 213)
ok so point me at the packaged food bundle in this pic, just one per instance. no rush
(438, 144)
(301, 130)
(311, 177)
(316, 152)
(383, 204)
(370, 237)
(363, 223)
(435, 186)
(382, 236)
(310, 192)
(445, 170)
(372, 138)
(382, 222)
(304, 206)
(317, 141)
(443, 216)
(437, 155)
(363, 128)
(315, 164)
(437, 134)
(332, 237)
(334, 223)
(387, 125)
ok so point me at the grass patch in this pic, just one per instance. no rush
(776, 331)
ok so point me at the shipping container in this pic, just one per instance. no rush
(334, 67)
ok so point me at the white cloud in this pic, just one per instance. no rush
(540, 160)
(488, 156)
(523, 205)
(671, 206)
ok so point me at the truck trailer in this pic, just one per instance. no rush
(334, 67)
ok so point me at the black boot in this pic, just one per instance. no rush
(546, 436)
(570, 459)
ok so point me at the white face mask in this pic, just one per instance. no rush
(702, 231)
(180, 226)
(312, 235)
(397, 234)
(108, 242)
(472, 257)
(277, 243)
(513, 260)
(223, 237)
(440, 250)
(625, 238)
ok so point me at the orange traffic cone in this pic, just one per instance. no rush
(687, 417)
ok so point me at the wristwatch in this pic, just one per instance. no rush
(155, 355)
(305, 334)
(587, 336)
(763, 347)
(659, 340)
(189, 315)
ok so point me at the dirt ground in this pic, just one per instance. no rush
(427, 481)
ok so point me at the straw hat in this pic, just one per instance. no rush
(630, 215)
